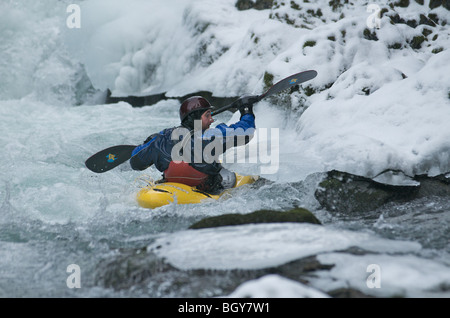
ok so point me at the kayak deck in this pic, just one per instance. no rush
(157, 195)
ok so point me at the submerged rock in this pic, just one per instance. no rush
(143, 272)
(348, 293)
(345, 192)
(129, 268)
(298, 215)
(437, 186)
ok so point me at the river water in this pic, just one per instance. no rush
(56, 214)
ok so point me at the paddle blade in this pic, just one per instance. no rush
(286, 83)
(289, 82)
(109, 158)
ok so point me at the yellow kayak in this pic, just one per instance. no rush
(157, 195)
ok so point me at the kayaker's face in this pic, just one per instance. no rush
(207, 120)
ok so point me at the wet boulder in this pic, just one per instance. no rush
(298, 215)
(345, 193)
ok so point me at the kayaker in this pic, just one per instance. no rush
(205, 174)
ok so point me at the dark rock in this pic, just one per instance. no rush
(402, 3)
(412, 23)
(130, 268)
(395, 46)
(250, 4)
(294, 269)
(433, 186)
(141, 271)
(297, 215)
(436, 3)
(416, 42)
(371, 36)
(396, 19)
(434, 17)
(432, 20)
(426, 32)
(426, 21)
(268, 80)
(336, 5)
(344, 192)
(135, 101)
(140, 101)
(348, 293)
(309, 43)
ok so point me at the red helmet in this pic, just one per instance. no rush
(193, 104)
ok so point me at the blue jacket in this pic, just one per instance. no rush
(158, 149)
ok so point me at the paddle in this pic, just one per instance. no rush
(111, 157)
(282, 85)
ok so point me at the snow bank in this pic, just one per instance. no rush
(275, 286)
(262, 245)
(399, 276)
(258, 246)
(380, 100)
(177, 47)
(403, 125)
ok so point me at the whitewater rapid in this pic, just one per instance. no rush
(55, 212)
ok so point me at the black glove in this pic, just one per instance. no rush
(245, 104)
(212, 185)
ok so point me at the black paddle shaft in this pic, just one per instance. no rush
(282, 85)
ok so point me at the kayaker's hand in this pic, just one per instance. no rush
(245, 104)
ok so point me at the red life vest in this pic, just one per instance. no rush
(182, 172)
